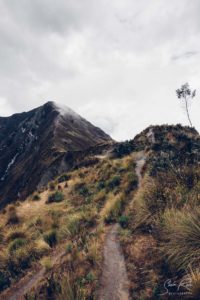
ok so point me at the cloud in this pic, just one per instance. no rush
(116, 62)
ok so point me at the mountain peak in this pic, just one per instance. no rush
(35, 140)
(62, 109)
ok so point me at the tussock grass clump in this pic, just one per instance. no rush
(73, 225)
(46, 262)
(101, 185)
(41, 247)
(181, 229)
(100, 197)
(147, 206)
(123, 221)
(51, 237)
(130, 182)
(71, 289)
(12, 217)
(64, 177)
(36, 197)
(15, 233)
(56, 197)
(16, 244)
(114, 182)
(21, 258)
(93, 249)
(113, 208)
(193, 278)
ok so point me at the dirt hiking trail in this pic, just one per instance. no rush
(114, 284)
(141, 159)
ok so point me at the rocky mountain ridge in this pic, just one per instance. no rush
(36, 145)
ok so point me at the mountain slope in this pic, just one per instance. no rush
(35, 146)
(54, 239)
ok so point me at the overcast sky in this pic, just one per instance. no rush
(115, 62)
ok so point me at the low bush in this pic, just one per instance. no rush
(56, 197)
(51, 238)
(114, 182)
(101, 185)
(63, 178)
(132, 181)
(12, 217)
(16, 244)
(124, 148)
(36, 197)
(84, 191)
(21, 258)
(123, 221)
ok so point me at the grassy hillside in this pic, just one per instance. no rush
(60, 231)
(70, 216)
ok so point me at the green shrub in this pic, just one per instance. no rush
(114, 182)
(132, 180)
(56, 197)
(51, 238)
(21, 259)
(124, 148)
(84, 191)
(16, 244)
(123, 221)
(12, 216)
(101, 185)
(36, 197)
(63, 178)
(90, 277)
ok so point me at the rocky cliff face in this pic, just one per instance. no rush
(39, 144)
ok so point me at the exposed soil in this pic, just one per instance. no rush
(114, 284)
(139, 165)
